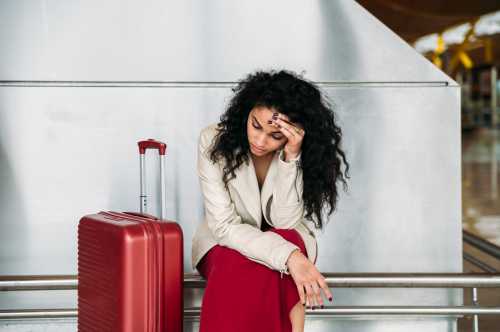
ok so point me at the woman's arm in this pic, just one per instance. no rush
(287, 205)
(226, 225)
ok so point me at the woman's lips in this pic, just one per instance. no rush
(256, 148)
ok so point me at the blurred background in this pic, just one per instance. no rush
(462, 38)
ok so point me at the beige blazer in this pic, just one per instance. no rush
(233, 219)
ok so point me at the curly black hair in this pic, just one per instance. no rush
(303, 103)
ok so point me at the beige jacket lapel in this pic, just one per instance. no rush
(247, 186)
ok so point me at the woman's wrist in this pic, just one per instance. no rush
(294, 253)
(288, 156)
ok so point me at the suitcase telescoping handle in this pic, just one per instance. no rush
(161, 147)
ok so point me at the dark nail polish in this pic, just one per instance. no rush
(322, 306)
(269, 121)
(330, 299)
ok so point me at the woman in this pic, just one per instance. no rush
(271, 163)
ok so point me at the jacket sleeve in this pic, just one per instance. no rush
(226, 225)
(287, 205)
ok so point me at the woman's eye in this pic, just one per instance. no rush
(276, 138)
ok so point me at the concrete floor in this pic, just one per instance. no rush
(481, 183)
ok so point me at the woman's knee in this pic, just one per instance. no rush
(291, 235)
(288, 233)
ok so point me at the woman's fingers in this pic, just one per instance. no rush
(302, 295)
(310, 295)
(308, 300)
(317, 295)
(324, 286)
(288, 128)
(284, 128)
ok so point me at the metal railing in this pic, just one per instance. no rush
(480, 264)
(479, 243)
(485, 247)
(338, 280)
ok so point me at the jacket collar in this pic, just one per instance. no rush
(247, 186)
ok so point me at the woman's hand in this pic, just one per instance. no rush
(293, 131)
(307, 276)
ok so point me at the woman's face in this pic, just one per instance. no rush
(261, 134)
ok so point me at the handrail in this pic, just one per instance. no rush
(327, 311)
(479, 243)
(339, 280)
(480, 264)
(38, 313)
(37, 282)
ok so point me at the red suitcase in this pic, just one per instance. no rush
(130, 267)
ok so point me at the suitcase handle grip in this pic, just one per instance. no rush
(152, 144)
(161, 147)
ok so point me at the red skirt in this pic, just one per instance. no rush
(243, 295)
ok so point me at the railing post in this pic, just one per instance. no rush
(475, 303)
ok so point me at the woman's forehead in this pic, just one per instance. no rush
(263, 110)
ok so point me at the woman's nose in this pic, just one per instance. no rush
(260, 141)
